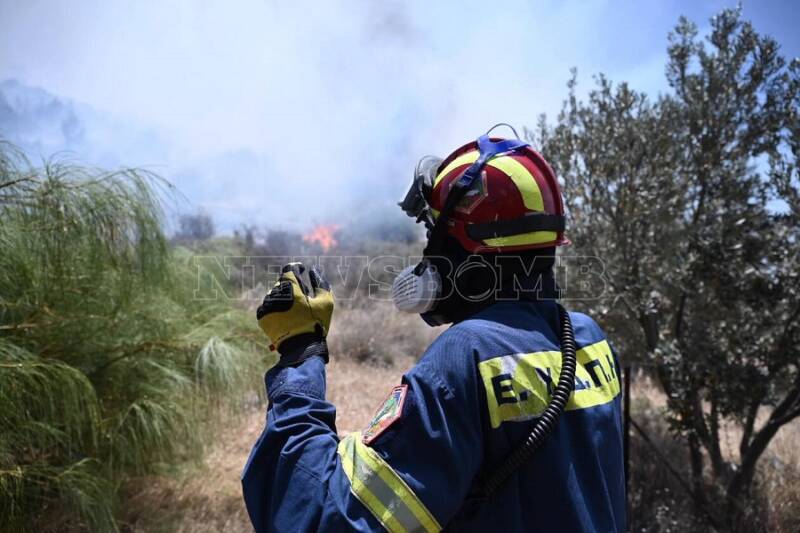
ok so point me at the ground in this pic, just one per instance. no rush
(209, 498)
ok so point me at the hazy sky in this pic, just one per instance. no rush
(265, 105)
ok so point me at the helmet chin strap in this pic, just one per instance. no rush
(488, 149)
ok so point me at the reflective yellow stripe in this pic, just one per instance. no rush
(523, 179)
(359, 489)
(535, 237)
(516, 171)
(519, 386)
(466, 159)
(382, 490)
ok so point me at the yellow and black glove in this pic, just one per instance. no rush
(295, 319)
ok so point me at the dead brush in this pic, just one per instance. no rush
(375, 332)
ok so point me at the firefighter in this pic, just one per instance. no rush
(461, 443)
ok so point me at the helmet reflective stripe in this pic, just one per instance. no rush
(534, 237)
(466, 159)
(382, 490)
(516, 172)
(523, 179)
(515, 206)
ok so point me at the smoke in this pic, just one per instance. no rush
(293, 114)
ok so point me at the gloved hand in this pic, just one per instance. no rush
(295, 320)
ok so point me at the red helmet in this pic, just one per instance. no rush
(515, 205)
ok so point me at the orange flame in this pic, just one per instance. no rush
(322, 235)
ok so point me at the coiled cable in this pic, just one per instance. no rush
(546, 422)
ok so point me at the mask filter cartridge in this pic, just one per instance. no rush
(416, 288)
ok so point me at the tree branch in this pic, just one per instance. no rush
(791, 399)
(782, 343)
(129, 351)
(786, 410)
(788, 417)
(679, 315)
(714, 452)
(749, 424)
(16, 181)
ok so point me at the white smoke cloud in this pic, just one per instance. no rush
(293, 112)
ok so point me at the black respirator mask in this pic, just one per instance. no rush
(448, 282)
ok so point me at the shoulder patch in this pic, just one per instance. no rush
(389, 412)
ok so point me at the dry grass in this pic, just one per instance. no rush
(649, 400)
(208, 498)
(778, 470)
(358, 390)
(371, 345)
(377, 333)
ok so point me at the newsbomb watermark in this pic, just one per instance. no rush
(354, 277)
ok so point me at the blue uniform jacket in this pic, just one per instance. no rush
(468, 402)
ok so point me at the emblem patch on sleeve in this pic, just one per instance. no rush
(386, 415)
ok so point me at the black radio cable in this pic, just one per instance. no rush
(547, 421)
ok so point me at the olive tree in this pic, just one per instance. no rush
(690, 199)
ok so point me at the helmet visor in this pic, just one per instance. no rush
(416, 204)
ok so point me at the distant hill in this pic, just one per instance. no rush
(38, 121)
(234, 186)
(43, 124)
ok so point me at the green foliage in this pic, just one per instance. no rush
(108, 365)
(676, 196)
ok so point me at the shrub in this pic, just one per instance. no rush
(376, 332)
(107, 363)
